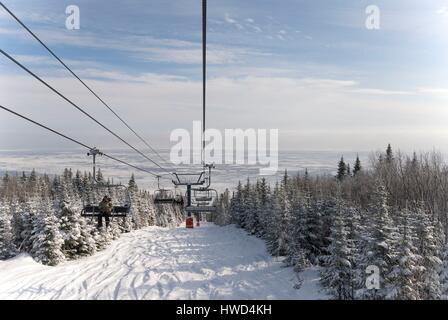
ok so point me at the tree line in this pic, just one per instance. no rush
(41, 215)
(389, 216)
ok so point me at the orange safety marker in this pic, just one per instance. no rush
(189, 223)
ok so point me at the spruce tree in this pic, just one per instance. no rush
(99, 176)
(296, 230)
(382, 246)
(77, 240)
(444, 274)
(430, 250)
(7, 247)
(6, 179)
(337, 273)
(357, 168)
(132, 185)
(236, 205)
(263, 212)
(342, 170)
(251, 221)
(278, 238)
(404, 276)
(357, 240)
(46, 238)
(414, 162)
(306, 180)
(23, 224)
(23, 178)
(102, 238)
(389, 154)
(87, 245)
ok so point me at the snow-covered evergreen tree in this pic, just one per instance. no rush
(382, 246)
(310, 227)
(337, 275)
(222, 215)
(251, 220)
(102, 237)
(46, 239)
(70, 230)
(87, 245)
(263, 210)
(7, 247)
(78, 241)
(23, 219)
(357, 239)
(429, 245)
(444, 274)
(278, 238)
(236, 206)
(299, 231)
(404, 276)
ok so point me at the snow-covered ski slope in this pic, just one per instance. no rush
(209, 262)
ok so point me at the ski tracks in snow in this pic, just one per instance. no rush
(209, 262)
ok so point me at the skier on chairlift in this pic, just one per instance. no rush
(105, 207)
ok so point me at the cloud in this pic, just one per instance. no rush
(436, 92)
(250, 23)
(228, 19)
(371, 91)
(327, 83)
(34, 59)
(215, 55)
(257, 29)
(156, 104)
(443, 11)
(32, 15)
(281, 37)
(47, 61)
(119, 76)
(233, 22)
(9, 31)
(143, 47)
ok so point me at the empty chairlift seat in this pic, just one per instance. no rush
(203, 201)
(163, 196)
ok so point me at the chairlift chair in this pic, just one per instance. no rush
(203, 195)
(91, 208)
(203, 201)
(189, 179)
(164, 196)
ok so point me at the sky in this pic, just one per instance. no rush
(308, 68)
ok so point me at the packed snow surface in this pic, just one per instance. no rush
(209, 262)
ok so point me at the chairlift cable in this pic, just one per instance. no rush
(75, 141)
(79, 108)
(84, 84)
